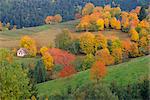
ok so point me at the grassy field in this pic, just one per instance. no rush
(128, 72)
(45, 35)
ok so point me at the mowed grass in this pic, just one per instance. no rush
(128, 72)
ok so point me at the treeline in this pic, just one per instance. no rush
(27, 13)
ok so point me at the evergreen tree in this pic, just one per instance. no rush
(40, 72)
(142, 14)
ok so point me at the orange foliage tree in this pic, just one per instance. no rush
(98, 70)
(58, 18)
(49, 19)
(67, 71)
(104, 56)
(28, 43)
(126, 47)
(61, 57)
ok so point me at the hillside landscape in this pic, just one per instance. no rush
(74, 49)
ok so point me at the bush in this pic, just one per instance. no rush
(74, 46)
(94, 91)
(117, 54)
(136, 91)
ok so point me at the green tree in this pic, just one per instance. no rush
(14, 82)
(142, 14)
(40, 72)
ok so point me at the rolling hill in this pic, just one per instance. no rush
(128, 72)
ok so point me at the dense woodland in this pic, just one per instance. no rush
(27, 13)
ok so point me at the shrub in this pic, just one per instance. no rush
(143, 46)
(136, 91)
(104, 56)
(40, 72)
(94, 91)
(5, 55)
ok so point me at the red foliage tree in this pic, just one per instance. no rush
(61, 57)
(67, 71)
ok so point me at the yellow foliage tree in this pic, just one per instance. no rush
(28, 43)
(87, 43)
(106, 22)
(43, 50)
(118, 25)
(100, 41)
(134, 35)
(117, 54)
(113, 22)
(48, 61)
(100, 24)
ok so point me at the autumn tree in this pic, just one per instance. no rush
(134, 50)
(58, 18)
(61, 57)
(98, 70)
(67, 71)
(134, 35)
(100, 41)
(48, 61)
(49, 19)
(28, 43)
(104, 56)
(98, 9)
(143, 46)
(117, 54)
(126, 48)
(106, 22)
(87, 42)
(84, 23)
(88, 9)
(43, 50)
(100, 24)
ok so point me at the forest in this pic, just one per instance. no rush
(29, 13)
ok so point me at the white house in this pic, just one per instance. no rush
(22, 52)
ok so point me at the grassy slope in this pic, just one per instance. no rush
(121, 73)
(44, 35)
